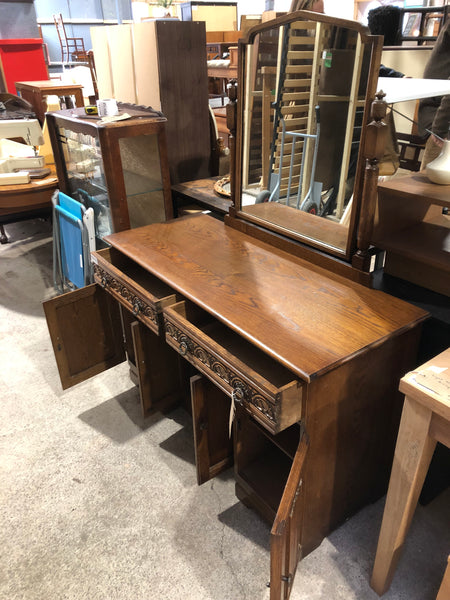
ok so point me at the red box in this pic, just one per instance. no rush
(22, 60)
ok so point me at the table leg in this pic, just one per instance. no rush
(3, 236)
(413, 454)
(444, 590)
(79, 100)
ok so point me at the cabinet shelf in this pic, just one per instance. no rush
(265, 478)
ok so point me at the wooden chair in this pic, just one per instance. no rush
(91, 63)
(72, 48)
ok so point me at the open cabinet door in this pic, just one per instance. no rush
(86, 333)
(285, 549)
(158, 369)
(210, 417)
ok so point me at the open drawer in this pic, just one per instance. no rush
(265, 388)
(138, 290)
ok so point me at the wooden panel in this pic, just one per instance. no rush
(210, 416)
(146, 65)
(285, 546)
(158, 370)
(102, 62)
(183, 74)
(122, 67)
(352, 417)
(309, 319)
(86, 333)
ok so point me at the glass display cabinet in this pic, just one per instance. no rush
(118, 168)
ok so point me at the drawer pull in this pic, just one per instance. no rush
(183, 348)
(136, 307)
(238, 395)
(104, 282)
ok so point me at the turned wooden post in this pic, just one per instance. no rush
(231, 124)
(373, 152)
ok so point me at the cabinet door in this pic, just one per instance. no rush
(285, 548)
(210, 416)
(86, 333)
(158, 370)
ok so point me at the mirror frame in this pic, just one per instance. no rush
(236, 213)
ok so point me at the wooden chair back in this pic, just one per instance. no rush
(72, 48)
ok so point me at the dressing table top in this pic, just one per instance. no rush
(305, 317)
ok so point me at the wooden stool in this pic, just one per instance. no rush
(36, 91)
(425, 420)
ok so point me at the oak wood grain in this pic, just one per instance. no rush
(305, 317)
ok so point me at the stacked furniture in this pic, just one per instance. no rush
(143, 64)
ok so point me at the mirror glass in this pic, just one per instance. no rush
(303, 97)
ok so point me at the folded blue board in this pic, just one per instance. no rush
(70, 213)
(72, 206)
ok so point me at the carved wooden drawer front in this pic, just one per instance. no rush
(139, 291)
(265, 388)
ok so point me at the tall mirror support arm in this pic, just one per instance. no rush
(231, 124)
(373, 152)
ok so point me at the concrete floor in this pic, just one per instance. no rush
(98, 503)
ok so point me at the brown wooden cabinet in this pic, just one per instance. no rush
(161, 63)
(269, 325)
(413, 227)
(310, 360)
(120, 169)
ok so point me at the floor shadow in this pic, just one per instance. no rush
(248, 523)
(120, 418)
(27, 230)
(180, 444)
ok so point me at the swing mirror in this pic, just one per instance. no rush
(307, 81)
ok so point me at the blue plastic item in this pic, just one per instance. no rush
(71, 243)
(72, 206)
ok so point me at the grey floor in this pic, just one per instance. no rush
(98, 503)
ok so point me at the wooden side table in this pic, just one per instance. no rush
(25, 200)
(425, 420)
(36, 91)
(411, 227)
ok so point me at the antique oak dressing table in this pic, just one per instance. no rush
(307, 358)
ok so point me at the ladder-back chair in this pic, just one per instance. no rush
(72, 48)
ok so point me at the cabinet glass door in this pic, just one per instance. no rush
(86, 175)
